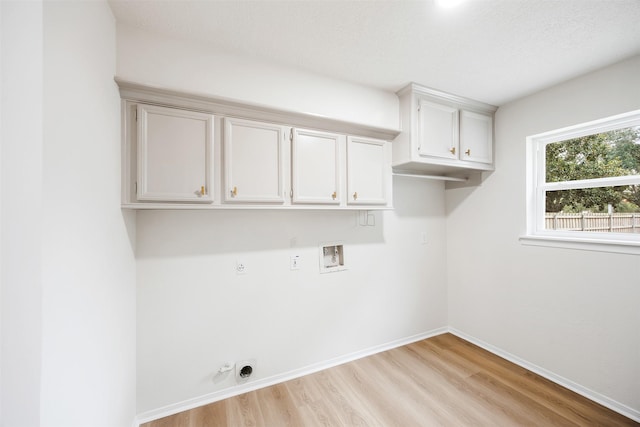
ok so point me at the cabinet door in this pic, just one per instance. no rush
(476, 137)
(315, 167)
(437, 130)
(253, 159)
(367, 171)
(174, 155)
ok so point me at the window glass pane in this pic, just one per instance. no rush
(604, 209)
(602, 155)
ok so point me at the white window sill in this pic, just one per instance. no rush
(631, 247)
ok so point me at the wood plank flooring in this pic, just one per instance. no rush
(441, 381)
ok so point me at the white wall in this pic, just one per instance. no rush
(1, 209)
(159, 60)
(21, 127)
(573, 313)
(195, 313)
(88, 352)
(68, 267)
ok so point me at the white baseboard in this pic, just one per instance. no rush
(276, 379)
(589, 394)
(296, 373)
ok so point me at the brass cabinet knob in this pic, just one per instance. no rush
(452, 150)
(234, 192)
(334, 195)
(202, 192)
(355, 196)
(468, 152)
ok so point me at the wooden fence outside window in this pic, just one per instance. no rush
(587, 221)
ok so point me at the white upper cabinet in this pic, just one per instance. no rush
(254, 161)
(476, 137)
(438, 130)
(187, 151)
(443, 134)
(174, 153)
(315, 164)
(368, 171)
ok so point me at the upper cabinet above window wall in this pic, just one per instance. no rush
(443, 134)
(476, 137)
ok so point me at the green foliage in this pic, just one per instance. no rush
(614, 153)
(627, 207)
(625, 146)
(633, 196)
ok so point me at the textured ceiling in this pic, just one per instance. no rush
(489, 50)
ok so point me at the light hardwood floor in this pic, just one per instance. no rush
(441, 381)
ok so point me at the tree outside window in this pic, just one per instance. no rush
(614, 153)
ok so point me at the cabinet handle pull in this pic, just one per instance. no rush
(334, 195)
(202, 190)
(355, 196)
(234, 192)
(452, 150)
(468, 152)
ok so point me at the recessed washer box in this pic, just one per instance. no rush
(332, 257)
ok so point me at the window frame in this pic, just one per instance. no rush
(537, 186)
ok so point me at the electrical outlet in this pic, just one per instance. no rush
(241, 267)
(295, 262)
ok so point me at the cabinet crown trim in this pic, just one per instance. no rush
(440, 96)
(222, 106)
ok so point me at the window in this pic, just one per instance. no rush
(583, 186)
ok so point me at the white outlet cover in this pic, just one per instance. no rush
(241, 267)
(295, 262)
